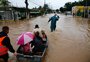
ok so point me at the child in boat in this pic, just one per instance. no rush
(37, 28)
(44, 36)
(25, 49)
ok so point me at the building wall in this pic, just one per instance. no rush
(9, 15)
(79, 10)
(6, 15)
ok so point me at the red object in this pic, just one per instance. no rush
(3, 49)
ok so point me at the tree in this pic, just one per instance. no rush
(75, 3)
(57, 10)
(68, 6)
(40, 7)
(46, 8)
(86, 2)
(62, 9)
(4, 3)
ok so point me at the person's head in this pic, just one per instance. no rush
(42, 31)
(36, 26)
(55, 14)
(5, 29)
(37, 33)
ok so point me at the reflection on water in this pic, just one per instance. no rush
(69, 43)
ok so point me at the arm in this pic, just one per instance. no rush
(32, 43)
(58, 17)
(6, 42)
(49, 20)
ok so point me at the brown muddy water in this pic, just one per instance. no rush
(69, 43)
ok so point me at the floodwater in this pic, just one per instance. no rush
(69, 43)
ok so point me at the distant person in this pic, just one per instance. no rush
(5, 44)
(73, 14)
(53, 20)
(66, 13)
(0, 17)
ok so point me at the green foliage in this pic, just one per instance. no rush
(86, 2)
(68, 6)
(4, 3)
(46, 6)
(62, 9)
(45, 9)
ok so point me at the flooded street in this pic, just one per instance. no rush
(69, 43)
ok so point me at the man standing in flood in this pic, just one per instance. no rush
(5, 44)
(53, 20)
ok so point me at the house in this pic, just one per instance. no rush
(12, 13)
(81, 11)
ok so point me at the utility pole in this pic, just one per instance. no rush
(27, 12)
(44, 6)
(86, 10)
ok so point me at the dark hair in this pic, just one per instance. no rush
(42, 31)
(5, 28)
(37, 33)
(36, 26)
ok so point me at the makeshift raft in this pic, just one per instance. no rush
(32, 57)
